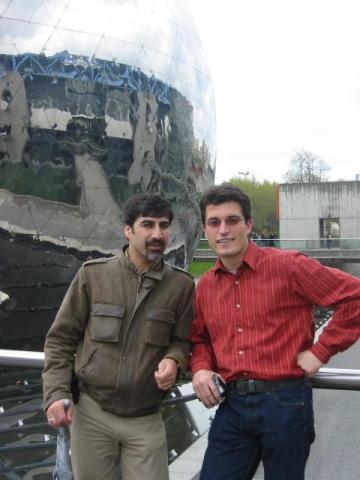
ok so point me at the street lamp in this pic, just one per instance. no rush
(246, 173)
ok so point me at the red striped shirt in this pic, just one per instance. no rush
(253, 324)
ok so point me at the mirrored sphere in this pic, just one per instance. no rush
(99, 100)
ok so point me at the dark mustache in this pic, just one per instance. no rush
(155, 243)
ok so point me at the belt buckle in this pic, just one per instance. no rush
(251, 384)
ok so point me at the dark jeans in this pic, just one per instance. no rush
(277, 428)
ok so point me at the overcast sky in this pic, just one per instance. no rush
(286, 75)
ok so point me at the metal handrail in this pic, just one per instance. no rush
(204, 239)
(329, 378)
(19, 358)
(318, 243)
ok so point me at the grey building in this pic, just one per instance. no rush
(312, 211)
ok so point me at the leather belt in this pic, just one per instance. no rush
(244, 387)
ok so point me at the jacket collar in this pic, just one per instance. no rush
(156, 271)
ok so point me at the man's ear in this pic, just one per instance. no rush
(250, 224)
(127, 231)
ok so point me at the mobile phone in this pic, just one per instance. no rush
(220, 385)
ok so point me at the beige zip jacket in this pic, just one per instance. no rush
(114, 326)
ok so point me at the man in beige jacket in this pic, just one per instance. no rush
(123, 326)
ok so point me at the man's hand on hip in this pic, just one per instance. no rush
(308, 362)
(205, 389)
(59, 414)
(166, 374)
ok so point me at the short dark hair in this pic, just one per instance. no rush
(146, 205)
(225, 193)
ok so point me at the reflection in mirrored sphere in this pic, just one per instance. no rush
(99, 100)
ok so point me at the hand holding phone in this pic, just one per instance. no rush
(220, 385)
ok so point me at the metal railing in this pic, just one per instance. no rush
(300, 243)
(19, 358)
(331, 378)
(326, 378)
(28, 444)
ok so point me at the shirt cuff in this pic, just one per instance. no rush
(200, 366)
(321, 352)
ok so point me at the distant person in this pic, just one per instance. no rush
(127, 318)
(263, 240)
(328, 240)
(271, 242)
(254, 328)
(255, 237)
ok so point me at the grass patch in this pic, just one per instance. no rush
(203, 244)
(45, 181)
(198, 268)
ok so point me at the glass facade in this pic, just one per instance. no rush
(99, 100)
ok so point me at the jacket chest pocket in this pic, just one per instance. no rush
(158, 326)
(105, 322)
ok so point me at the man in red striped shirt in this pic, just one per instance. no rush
(254, 330)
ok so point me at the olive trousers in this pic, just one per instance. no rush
(99, 440)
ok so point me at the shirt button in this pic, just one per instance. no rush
(238, 305)
(241, 352)
(236, 282)
(246, 374)
(124, 358)
(240, 330)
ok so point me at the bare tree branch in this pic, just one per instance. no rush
(306, 167)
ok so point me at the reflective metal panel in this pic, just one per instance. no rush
(98, 100)
(30, 448)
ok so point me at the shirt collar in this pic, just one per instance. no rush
(250, 258)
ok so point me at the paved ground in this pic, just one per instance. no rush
(335, 454)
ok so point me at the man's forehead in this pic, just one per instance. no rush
(152, 219)
(225, 208)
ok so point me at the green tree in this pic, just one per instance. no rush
(263, 203)
(306, 167)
